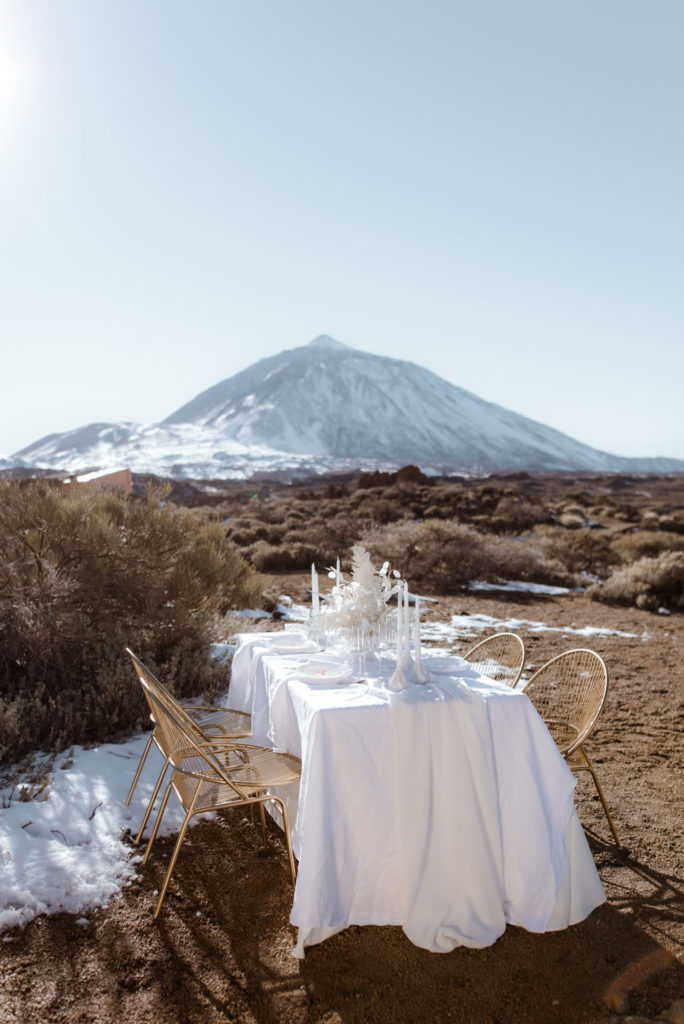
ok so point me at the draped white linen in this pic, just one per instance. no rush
(446, 808)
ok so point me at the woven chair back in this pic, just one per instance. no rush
(145, 675)
(184, 744)
(569, 693)
(500, 657)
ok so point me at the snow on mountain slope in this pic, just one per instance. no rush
(327, 406)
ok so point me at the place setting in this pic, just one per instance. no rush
(370, 627)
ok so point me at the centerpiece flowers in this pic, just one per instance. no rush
(357, 606)
(355, 616)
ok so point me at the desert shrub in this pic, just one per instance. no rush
(572, 520)
(514, 515)
(436, 512)
(579, 551)
(649, 583)
(334, 490)
(380, 510)
(672, 523)
(266, 510)
(443, 556)
(437, 555)
(81, 578)
(321, 540)
(627, 514)
(525, 558)
(295, 517)
(293, 557)
(630, 547)
(246, 530)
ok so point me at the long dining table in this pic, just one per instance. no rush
(445, 808)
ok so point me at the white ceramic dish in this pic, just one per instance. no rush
(292, 645)
(322, 672)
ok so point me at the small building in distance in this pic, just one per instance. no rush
(114, 479)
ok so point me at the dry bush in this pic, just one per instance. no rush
(630, 547)
(529, 559)
(267, 557)
(650, 583)
(81, 578)
(246, 530)
(380, 510)
(514, 514)
(443, 556)
(295, 517)
(438, 556)
(320, 539)
(572, 520)
(437, 512)
(584, 551)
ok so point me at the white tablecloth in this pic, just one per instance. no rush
(446, 809)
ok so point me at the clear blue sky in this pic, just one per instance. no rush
(491, 189)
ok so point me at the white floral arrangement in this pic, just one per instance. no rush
(360, 603)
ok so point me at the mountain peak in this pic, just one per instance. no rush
(328, 406)
(325, 341)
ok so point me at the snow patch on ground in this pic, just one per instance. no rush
(524, 587)
(291, 612)
(66, 852)
(462, 627)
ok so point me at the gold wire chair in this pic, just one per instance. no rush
(500, 657)
(213, 723)
(215, 774)
(569, 692)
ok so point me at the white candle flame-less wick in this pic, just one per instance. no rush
(315, 601)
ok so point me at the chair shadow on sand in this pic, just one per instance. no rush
(220, 951)
(376, 974)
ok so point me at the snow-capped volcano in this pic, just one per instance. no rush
(327, 406)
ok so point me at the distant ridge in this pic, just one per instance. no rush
(322, 407)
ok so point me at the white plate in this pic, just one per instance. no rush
(292, 645)
(447, 664)
(322, 672)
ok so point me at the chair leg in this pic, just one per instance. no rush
(262, 816)
(602, 798)
(157, 823)
(151, 803)
(176, 851)
(172, 865)
(589, 767)
(140, 765)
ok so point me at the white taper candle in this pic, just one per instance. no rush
(315, 601)
(407, 621)
(400, 627)
(416, 624)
